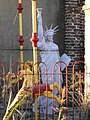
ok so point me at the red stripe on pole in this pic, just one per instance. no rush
(21, 40)
(20, 8)
(34, 39)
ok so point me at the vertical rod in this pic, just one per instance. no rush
(21, 40)
(34, 41)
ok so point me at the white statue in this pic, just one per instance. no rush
(49, 53)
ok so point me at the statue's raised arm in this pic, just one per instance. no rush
(40, 28)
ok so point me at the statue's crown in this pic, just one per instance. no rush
(50, 31)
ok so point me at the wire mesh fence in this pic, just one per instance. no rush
(29, 95)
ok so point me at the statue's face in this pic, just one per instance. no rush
(50, 37)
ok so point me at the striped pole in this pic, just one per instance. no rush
(34, 41)
(21, 40)
(34, 38)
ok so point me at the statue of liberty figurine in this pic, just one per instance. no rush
(49, 53)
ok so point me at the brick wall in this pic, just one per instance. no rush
(74, 29)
